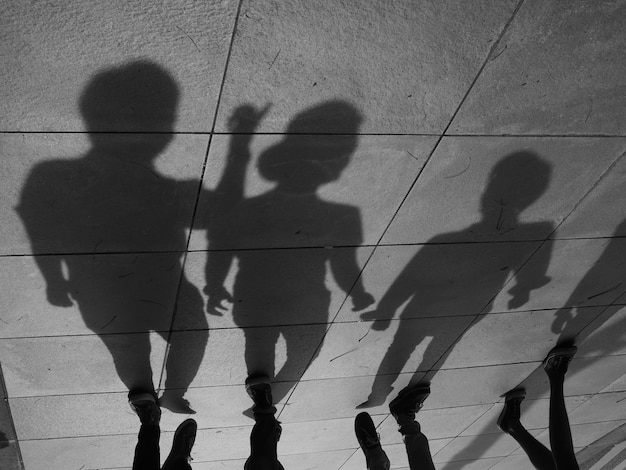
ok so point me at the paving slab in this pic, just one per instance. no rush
(406, 66)
(556, 71)
(479, 346)
(601, 212)
(500, 188)
(60, 365)
(41, 87)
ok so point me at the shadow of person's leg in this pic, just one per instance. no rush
(185, 353)
(260, 353)
(560, 432)
(404, 343)
(298, 354)
(131, 355)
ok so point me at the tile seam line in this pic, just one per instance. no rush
(339, 323)
(321, 134)
(183, 261)
(310, 247)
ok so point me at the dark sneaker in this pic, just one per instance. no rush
(146, 407)
(557, 361)
(370, 444)
(511, 413)
(260, 390)
(184, 437)
(409, 401)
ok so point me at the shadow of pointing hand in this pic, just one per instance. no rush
(381, 320)
(245, 119)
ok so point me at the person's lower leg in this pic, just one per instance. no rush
(560, 433)
(404, 408)
(539, 455)
(147, 453)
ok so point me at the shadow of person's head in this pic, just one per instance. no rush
(139, 96)
(302, 162)
(516, 182)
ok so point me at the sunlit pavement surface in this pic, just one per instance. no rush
(462, 161)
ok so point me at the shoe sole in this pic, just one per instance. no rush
(424, 389)
(515, 394)
(561, 351)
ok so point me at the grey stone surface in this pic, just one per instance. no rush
(558, 71)
(50, 52)
(405, 65)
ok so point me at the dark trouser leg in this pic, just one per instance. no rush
(147, 455)
(560, 433)
(539, 455)
(417, 447)
(263, 443)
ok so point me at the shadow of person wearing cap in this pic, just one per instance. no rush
(281, 290)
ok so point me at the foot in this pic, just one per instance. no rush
(408, 402)
(511, 413)
(368, 440)
(260, 390)
(557, 361)
(146, 407)
(176, 403)
(184, 437)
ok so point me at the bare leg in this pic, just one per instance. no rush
(509, 422)
(560, 434)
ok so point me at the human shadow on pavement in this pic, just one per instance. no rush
(578, 322)
(280, 239)
(450, 277)
(108, 229)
